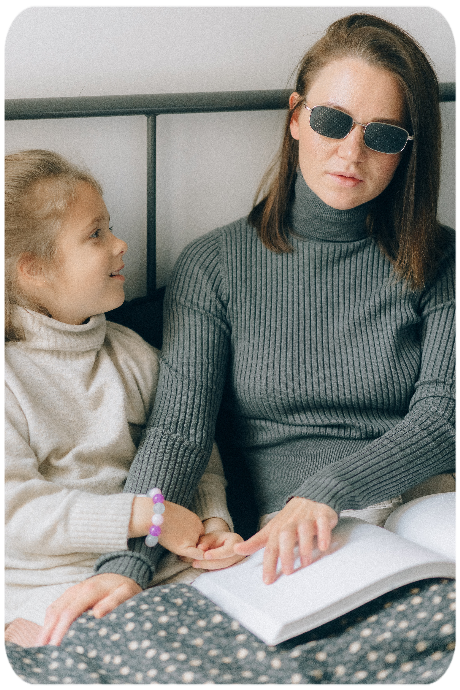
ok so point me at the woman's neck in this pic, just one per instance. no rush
(312, 218)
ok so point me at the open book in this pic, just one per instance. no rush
(363, 562)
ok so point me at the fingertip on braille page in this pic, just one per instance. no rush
(157, 517)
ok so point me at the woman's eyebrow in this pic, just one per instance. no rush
(388, 121)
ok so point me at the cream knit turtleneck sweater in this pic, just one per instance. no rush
(77, 399)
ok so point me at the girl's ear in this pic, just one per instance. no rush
(31, 273)
(294, 125)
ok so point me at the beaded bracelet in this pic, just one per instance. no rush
(157, 517)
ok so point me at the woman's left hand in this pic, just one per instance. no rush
(298, 523)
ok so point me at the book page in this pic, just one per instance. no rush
(428, 521)
(363, 562)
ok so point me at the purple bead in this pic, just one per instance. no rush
(155, 530)
(158, 498)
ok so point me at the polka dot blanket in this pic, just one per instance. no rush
(172, 634)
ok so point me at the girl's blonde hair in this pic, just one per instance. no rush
(39, 187)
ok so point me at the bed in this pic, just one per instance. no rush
(171, 634)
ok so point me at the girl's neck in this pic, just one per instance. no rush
(43, 332)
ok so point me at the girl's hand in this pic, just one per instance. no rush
(298, 523)
(217, 545)
(101, 593)
(180, 530)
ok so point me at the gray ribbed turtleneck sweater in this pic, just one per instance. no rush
(339, 377)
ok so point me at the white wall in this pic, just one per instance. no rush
(209, 165)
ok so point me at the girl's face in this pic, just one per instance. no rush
(344, 173)
(85, 279)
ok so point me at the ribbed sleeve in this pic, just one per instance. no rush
(178, 441)
(422, 443)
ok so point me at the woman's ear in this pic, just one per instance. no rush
(294, 124)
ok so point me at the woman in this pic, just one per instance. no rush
(323, 322)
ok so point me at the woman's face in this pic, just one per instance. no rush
(345, 173)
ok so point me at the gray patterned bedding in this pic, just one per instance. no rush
(171, 634)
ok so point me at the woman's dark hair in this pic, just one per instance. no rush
(403, 219)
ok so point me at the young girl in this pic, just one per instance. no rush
(79, 391)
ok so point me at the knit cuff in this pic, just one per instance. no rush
(99, 524)
(397, 461)
(133, 565)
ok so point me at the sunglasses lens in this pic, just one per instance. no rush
(330, 122)
(385, 138)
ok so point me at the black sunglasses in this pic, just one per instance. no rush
(378, 136)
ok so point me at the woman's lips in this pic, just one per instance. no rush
(345, 180)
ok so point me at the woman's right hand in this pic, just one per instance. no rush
(180, 531)
(303, 523)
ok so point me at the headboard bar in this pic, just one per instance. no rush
(449, 91)
(159, 104)
(151, 248)
(152, 105)
(147, 104)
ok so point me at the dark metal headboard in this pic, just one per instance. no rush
(151, 106)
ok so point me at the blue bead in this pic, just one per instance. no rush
(150, 540)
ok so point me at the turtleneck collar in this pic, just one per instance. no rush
(43, 333)
(312, 218)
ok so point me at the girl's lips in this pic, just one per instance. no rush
(117, 274)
